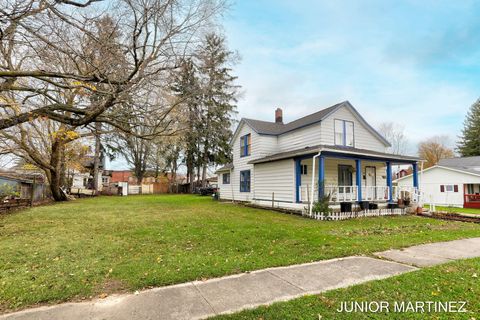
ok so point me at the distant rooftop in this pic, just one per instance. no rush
(469, 164)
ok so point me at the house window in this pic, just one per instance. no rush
(449, 188)
(304, 169)
(245, 145)
(226, 178)
(345, 175)
(344, 133)
(245, 181)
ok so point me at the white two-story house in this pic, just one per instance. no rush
(283, 164)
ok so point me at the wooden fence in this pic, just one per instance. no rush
(13, 204)
(335, 216)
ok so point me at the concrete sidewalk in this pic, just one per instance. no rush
(426, 255)
(202, 299)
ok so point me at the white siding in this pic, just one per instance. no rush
(266, 145)
(431, 179)
(276, 177)
(305, 137)
(225, 189)
(232, 192)
(364, 138)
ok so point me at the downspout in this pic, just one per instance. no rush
(313, 181)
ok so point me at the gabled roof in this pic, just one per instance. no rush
(466, 164)
(456, 169)
(275, 129)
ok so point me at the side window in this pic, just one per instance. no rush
(449, 188)
(344, 133)
(349, 134)
(245, 145)
(338, 132)
(226, 178)
(245, 181)
(304, 169)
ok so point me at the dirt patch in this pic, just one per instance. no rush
(110, 286)
(451, 216)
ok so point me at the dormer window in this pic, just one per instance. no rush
(344, 135)
(245, 145)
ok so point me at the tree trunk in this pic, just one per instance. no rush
(55, 171)
(204, 175)
(96, 158)
(205, 164)
(55, 188)
(174, 174)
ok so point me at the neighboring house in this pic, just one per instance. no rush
(334, 148)
(82, 176)
(452, 182)
(402, 173)
(120, 176)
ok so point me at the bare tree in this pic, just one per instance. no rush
(51, 146)
(139, 143)
(434, 149)
(394, 133)
(152, 36)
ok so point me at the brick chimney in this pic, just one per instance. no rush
(279, 115)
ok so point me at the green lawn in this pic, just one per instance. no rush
(457, 281)
(457, 210)
(85, 248)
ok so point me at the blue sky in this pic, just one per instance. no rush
(416, 63)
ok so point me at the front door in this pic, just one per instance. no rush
(345, 177)
(370, 181)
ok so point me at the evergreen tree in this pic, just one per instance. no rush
(469, 145)
(218, 101)
(185, 88)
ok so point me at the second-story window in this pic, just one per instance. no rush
(245, 145)
(344, 133)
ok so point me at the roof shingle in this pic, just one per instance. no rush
(273, 128)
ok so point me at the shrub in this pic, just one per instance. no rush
(322, 205)
(8, 191)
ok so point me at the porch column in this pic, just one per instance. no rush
(298, 178)
(389, 181)
(321, 177)
(358, 175)
(415, 174)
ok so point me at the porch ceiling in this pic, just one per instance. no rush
(337, 151)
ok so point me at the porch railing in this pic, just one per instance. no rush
(342, 193)
(369, 193)
(407, 192)
(375, 193)
(472, 200)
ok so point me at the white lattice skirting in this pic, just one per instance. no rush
(334, 216)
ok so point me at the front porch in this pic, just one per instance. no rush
(471, 196)
(351, 178)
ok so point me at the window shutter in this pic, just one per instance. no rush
(442, 188)
(455, 188)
